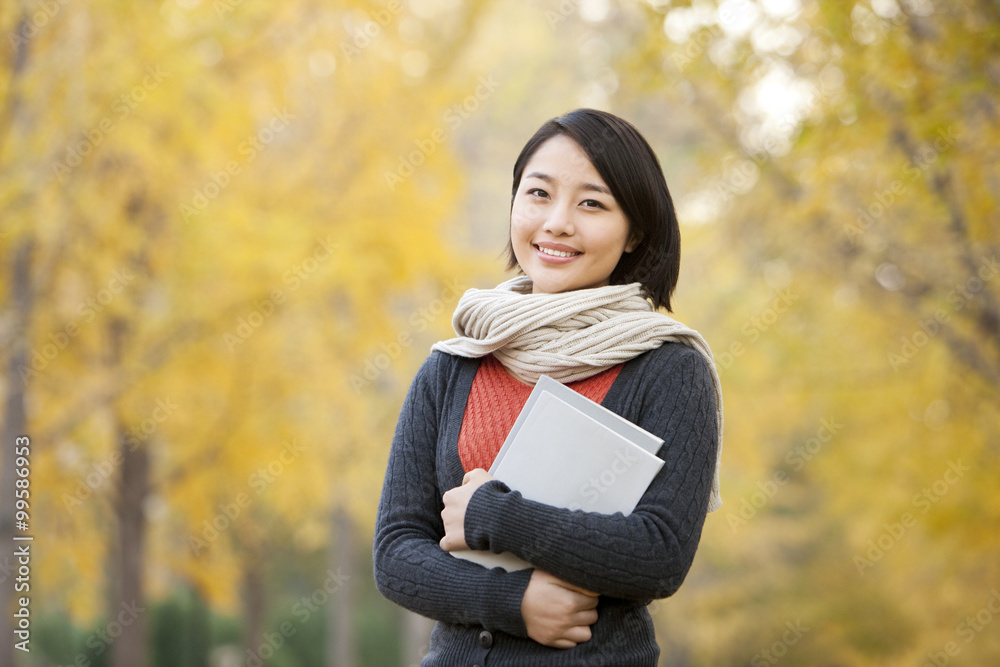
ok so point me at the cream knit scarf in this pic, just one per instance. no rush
(569, 336)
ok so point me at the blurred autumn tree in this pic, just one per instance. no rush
(849, 158)
(217, 219)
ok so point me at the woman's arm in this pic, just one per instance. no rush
(648, 553)
(410, 567)
(556, 613)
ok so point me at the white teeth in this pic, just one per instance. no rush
(557, 253)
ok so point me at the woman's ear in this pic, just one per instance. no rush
(634, 239)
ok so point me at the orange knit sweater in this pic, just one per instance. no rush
(495, 401)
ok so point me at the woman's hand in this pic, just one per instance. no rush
(557, 613)
(455, 502)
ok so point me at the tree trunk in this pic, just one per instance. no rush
(129, 650)
(14, 425)
(128, 602)
(341, 644)
(253, 605)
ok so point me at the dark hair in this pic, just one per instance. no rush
(630, 169)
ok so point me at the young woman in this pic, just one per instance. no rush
(593, 231)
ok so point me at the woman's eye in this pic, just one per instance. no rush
(593, 203)
(538, 192)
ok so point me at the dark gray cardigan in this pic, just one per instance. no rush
(628, 560)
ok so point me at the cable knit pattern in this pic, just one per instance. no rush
(570, 335)
(628, 560)
(495, 401)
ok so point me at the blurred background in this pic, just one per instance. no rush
(230, 231)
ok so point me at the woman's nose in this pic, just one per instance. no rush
(559, 221)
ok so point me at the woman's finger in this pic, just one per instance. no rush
(587, 618)
(573, 587)
(476, 475)
(578, 634)
(585, 601)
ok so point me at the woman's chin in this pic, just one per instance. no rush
(546, 286)
(559, 279)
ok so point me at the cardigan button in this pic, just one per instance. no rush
(485, 639)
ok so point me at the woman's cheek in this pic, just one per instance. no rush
(520, 227)
(526, 211)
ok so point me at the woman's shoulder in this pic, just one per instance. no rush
(440, 363)
(671, 355)
(660, 379)
(670, 369)
(441, 372)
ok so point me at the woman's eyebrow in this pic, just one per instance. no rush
(596, 188)
(540, 175)
(583, 186)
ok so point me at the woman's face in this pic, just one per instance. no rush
(567, 231)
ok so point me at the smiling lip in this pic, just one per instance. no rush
(565, 253)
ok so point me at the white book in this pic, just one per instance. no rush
(568, 451)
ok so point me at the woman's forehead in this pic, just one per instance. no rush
(561, 160)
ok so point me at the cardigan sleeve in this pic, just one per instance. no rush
(646, 554)
(410, 567)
